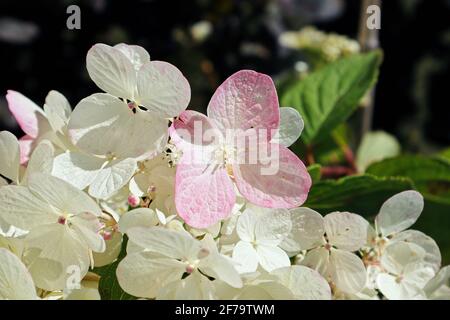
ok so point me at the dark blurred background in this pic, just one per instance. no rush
(208, 40)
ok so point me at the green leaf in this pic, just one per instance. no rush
(314, 172)
(431, 175)
(109, 287)
(362, 194)
(327, 97)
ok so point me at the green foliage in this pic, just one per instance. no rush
(362, 194)
(109, 287)
(431, 175)
(327, 97)
(314, 172)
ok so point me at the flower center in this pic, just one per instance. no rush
(225, 154)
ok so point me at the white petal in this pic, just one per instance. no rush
(112, 251)
(15, 280)
(112, 178)
(62, 195)
(345, 230)
(318, 259)
(376, 146)
(78, 169)
(291, 127)
(102, 115)
(23, 209)
(88, 291)
(439, 286)
(41, 160)
(246, 225)
(245, 257)
(163, 89)
(3, 182)
(144, 274)
(170, 243)
(88, 226)
(395, 288)
(136, 54)
(399, 212)
(56, 255)
(432, 252)
(57, 110)
(140, 217)
(111, 71)
(221, 267)
(305, 283)
(271, 258)
(307, 230)
(390, 288)
(272, 226)
(347, 271)
(9, 156)
(399, 254)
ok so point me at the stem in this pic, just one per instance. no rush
(335, 171)
(310, 155)
(350, 158)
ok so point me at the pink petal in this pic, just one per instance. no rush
(287, 186)
(28, 115)
(247, 99)
(26, 144)
(203, 196)
(192, 129)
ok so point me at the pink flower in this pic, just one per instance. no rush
(234, 144)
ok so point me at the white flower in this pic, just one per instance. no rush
(155, 180)
(63, 224)
(438, 288)
(141, 95)
(15, 280)
(261, 231)
(331, 241)
(396, 215)
(404, 273)
(168, 256)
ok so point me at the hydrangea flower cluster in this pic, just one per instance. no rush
(204, 206)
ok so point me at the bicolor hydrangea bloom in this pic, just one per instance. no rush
(235, 144)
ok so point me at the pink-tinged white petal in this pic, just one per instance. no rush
(204, 194)
(111, 71)
(26, 144)
(277, 181)
(28, 115)
(136, 54)
(192, 131)
(247, 99)
(162, 89)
